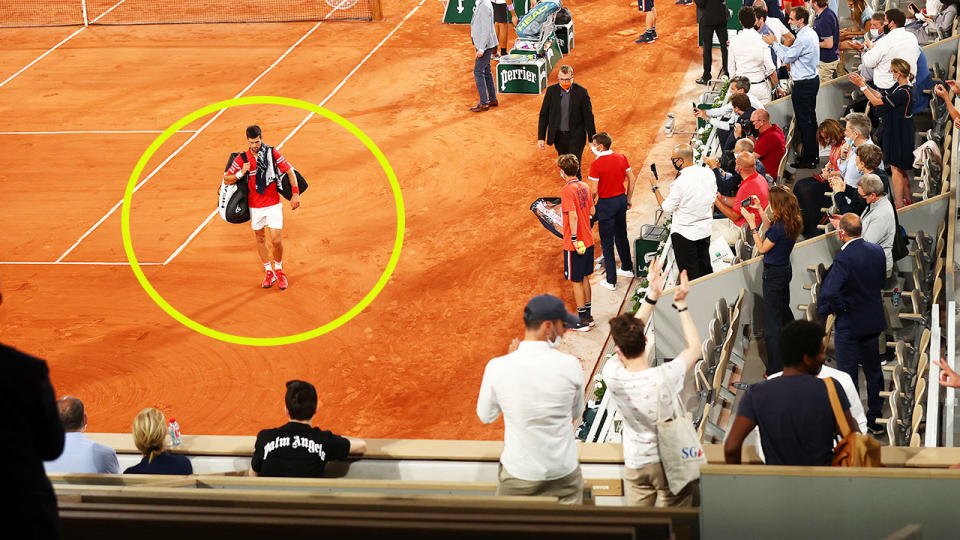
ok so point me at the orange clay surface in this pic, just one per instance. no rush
(410, 365)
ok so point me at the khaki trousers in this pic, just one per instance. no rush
(648, 486)
(568, 489)
(827, 70)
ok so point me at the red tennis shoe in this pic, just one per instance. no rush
(282, 280)
(269, 279)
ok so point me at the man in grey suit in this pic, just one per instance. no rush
(485, 42)
(712, 18)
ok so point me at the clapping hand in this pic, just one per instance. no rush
(837, 184)
(941, 91)
(655, 279)
(948, 377)
(683, 288)
(953, 86)
(857, 79)
(711, 161)
(835, 221)
(738, 130)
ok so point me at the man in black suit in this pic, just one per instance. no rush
(712, 18)
(32, 433)
(852, 291)
(566, 117)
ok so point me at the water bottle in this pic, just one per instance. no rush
(896, 297)
(174, 432)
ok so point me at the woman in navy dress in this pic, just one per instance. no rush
(150, 437)
(898, 137)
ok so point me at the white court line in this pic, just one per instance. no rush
(55, 47)
(304, 121)
(192, 137)
(35, 263)
(91, 132)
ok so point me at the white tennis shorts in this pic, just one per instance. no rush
(271, 216)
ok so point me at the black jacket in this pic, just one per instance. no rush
(582, 126)
(711, 12)
(32, 434)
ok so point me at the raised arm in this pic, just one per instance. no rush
(655, 280)
(691, 353)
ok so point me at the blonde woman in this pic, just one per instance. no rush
(150, 437)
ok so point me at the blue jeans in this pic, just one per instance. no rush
(612, 226)
(804, 99)
(484, 77)
(865, 351)
(776, 311)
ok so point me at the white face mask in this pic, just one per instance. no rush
(874, 33)
(595, 150)
(556, 341)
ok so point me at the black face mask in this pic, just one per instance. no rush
(677, 163)
(886, 29)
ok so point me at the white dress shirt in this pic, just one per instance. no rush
(81, 455)
(540, 392)
(898, 43)
(776, 26)
(749, 56)
(691, 200)
(856, 406)
(722, 117)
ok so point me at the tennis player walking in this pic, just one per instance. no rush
(260, 165)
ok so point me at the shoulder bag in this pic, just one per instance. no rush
(677, 442)
(854, 449)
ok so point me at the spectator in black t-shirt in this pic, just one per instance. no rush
(797, 426)
(297, 449)
(150, 437)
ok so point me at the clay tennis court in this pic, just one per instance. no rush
(410, 365)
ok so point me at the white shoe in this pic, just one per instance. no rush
(624, 273)
(607, 285)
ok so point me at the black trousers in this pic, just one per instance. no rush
(804, 99)
(812, 196)
(692, 255)
(776, 311)
(863, 351)
(565, 145)
(706, 37)
(612, 225)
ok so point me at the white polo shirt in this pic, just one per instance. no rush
(540, 392)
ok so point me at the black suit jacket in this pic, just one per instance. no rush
(711, 12)
(582, 126)
(32, 434)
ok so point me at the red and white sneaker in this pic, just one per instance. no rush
(269, 280)
(282, 280)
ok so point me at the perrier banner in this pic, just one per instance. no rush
(461, 11)
(526, 78)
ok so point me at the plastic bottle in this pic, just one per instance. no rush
(174, 432)
(896, 297)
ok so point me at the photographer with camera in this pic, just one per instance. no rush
(753, 185)
(742, 125)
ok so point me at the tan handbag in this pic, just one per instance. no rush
(854, 449)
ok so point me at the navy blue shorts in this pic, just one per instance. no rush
(645, 5)
(576, 266)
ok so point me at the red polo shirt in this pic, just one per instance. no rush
(609, 171)
(752, 185)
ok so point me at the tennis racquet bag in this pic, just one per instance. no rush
(547, 210)
(232, 198)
